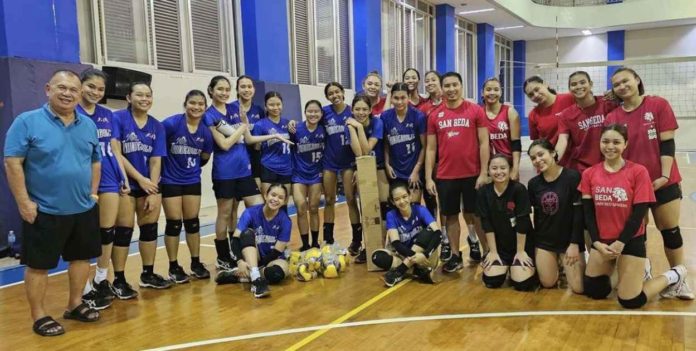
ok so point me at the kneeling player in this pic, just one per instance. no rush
(414, 238)
(262, 234)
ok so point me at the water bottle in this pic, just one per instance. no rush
(11, 238)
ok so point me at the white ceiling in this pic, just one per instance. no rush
(502, 18)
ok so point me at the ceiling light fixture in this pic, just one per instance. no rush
(586, 32)
(476, 11)
(505, 28)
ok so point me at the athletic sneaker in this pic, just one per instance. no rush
(259, 287)
(393, 277)
(225, 265)
(354, 248)
(474, 250)
(685, 293)
(361, 257)
(305, 248)
(96, 301)
(199, 271)
(123, 290)
(424, 274)
(675, 290)
(445, 252)
(227, 277)
(105, 289)
(155, 281)
(178, 276)
(648, 270)
(453, 265)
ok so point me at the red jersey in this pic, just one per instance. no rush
(429, 106)
(457, 139)
(645, 123)
(421, 102)
(614, 195)
(499, 132)
(584, 129)
(543, 121)
(378, 108)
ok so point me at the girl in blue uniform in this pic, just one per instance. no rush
(262, 234)
(98, 293)
(189, 144)
(339, 158)
(309, 140)
(414, 240)
(404, 129)
(143, 144)
(232, 171)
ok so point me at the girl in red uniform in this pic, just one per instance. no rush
(372, 88)
(616, 194)
(543, 119)
(503, 126)
(580, 125)
(411, 77)
(651, 125)
(432, 87)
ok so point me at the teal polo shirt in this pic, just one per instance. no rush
(57, 159)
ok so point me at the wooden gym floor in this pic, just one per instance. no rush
(357, 312)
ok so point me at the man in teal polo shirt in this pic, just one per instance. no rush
(52, 160)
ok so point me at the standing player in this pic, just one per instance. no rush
(262, 234)
(616, 195)
(414, 240)
(543, 119)
(457, 133)
(503, 126)
(143, 143)
(558, 219)
(504, 210)
(306, 176)
(189, 145)
(580, 125)
(404, 152)
(372, 88)
(411, 78)
(98, 294)
(651, 125)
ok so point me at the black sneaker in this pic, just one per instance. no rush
(316, 245)
(424, 274)
(453, 265)
(227, 277)
(96, 301)
(361, 257)
(105, 289)
(305, 248)
(178, 276)
(225, 265)
(259, 287)
(393, 277)
(199, 271)
(474, 250)
(155, 281)
(354, 248)
(123, 290)
(445, 252)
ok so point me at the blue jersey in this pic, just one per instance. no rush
(233, 163)
(182, 166)
(404, 139)
(111, 176)
(337, 155)
(374, 130)
(308, 154)
(254, 114)
(275, 154)
(409, 228)
(267, 232)
(140, 144)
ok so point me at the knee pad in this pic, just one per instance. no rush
(123, 236)
(382, 259)
(672, 238)
(528, 284)
(383, 209)
(192, 225)
(428, 240)
(597, 287)
(248, 238)
(107, 235)
(274, 274)
(148, 232)
(494, 281)
(173, 228)
(636, 302)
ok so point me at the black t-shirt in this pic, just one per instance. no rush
(557, 205)
(502, 214)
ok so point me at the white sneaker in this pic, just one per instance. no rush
(685, 292)
(674, 290)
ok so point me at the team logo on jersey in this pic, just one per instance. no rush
(394, 131)
(181, 140)
(648, 117)
(549, 203)
(152, 136)
(272, 131)
(132, 137)
(199, 140)
(409, 125)
(452, 133)
(304, 140)
(102, 120)
(619, 194)
(503, 126)
(331, 122)
(441, 114)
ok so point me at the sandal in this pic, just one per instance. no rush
(82, 313)
(47, 326)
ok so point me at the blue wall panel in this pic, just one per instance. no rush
(615, 51)
(266, 44)
(367, 39)
(444, 38)
(485, 51)
(519, 56)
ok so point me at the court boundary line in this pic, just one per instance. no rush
(331, 326)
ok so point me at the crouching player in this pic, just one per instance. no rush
(414, 238)
(258, 243)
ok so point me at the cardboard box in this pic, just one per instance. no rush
(373, 226)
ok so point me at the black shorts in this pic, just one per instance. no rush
(268, 176)
(557, 249)
(235, 188)
(508, 258)
(74, 237)
(255, 160)
(667, 194)
(173, 190)
(457, 194)
(138, 193)
(635, 247)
